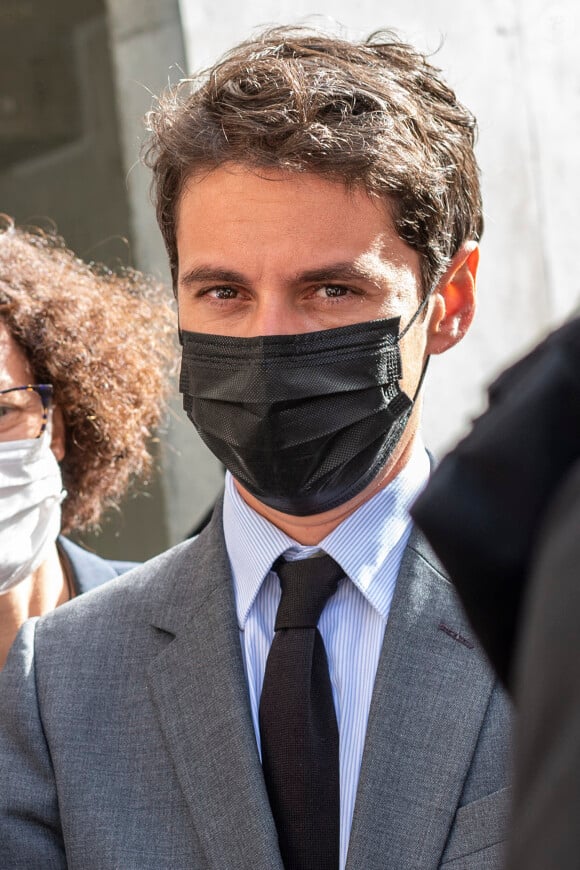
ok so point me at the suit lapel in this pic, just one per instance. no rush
(199, 692)
(431, 691)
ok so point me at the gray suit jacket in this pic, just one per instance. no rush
(126, 738)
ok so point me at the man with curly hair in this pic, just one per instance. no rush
(79, 403)
(296, 688)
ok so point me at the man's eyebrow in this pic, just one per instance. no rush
(342, 271)
(347, 271)
(208, 273)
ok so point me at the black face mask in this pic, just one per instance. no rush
(304, 422)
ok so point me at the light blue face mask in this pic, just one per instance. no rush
(31, 494)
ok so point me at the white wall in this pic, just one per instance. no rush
(514, 63)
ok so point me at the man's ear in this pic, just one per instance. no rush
(58, 441)
(454, 300)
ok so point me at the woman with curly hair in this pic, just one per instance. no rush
(84, 358)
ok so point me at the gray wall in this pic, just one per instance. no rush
(147, 48)
(75, 80)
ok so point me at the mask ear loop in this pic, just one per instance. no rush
(423, 304)
(421, 379)
(416, 314)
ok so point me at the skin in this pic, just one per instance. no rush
(46, 588)
(275, 252)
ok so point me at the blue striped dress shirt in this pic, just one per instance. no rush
(368, 546)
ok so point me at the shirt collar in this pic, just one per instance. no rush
(362, 544)
(253, 545)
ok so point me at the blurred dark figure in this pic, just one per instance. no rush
(502, 512)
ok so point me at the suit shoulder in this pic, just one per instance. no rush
(125, 600)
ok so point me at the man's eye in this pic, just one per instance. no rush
(331, 291)
(223, 292)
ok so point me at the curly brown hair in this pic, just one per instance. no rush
(374, 114)
(105, 341)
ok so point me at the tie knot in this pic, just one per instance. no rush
(306, 587)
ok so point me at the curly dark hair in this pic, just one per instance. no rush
(105, 341)
(374, 114)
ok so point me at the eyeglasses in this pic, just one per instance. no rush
(24, 411)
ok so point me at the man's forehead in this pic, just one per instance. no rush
(224, 199)
(245, 180)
